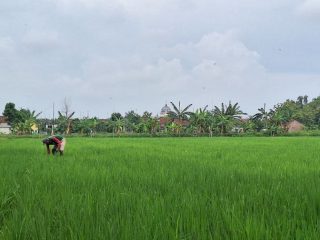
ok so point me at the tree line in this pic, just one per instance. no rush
(180, 121)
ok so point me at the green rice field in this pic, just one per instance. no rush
(161, 188)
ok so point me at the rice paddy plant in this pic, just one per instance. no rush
(161, 188)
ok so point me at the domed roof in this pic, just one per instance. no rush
(165, 110)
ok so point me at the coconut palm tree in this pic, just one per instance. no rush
(305, 99)
(300, 101)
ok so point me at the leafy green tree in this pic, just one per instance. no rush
(87, 126)
(305, 100)
(21, 120)
(19, 128)
(226, 116)
(12, 114)
(116, 116)
(174, 128)
(311, 114)
(146, 115)
(142, 127)
(299, 101)
(76, 125)
(278, 119)
(133, 117)
(234, 111)
(61, 124)
(261, 119)
(222, 120)
(132, 120)
(302, 101)
(212, 123)
(117, 124)
(24, 121)
(102, 126)
(148, 124)
(200, 119)
(248, 125)
(153, 125)
(30, 120)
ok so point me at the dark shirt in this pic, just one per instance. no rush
(53, 140)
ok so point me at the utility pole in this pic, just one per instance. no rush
(52, 129)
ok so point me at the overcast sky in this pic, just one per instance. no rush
(118, 55)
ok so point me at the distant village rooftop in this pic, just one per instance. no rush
(3, 119)
(165, 110)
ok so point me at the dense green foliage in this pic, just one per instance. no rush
(21, 120)
(161, 188)
(225, 119)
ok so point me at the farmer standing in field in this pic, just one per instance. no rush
(58, 141)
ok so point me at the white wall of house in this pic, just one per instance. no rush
(5, 128)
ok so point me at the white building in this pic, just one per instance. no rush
(5, 128)
(164, 111)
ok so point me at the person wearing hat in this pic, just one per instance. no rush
(58, 143)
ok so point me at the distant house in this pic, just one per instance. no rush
(244, 119)
(5, 128)
(237, 130)
(183, 122)
(294, 126)
(164, 118)
(34, 129)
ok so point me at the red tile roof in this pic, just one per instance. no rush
(3, 119)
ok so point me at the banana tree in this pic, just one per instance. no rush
(66, 121)
(28, 122)
(118, 124)
(227, 116)
(200, 119)
(87, 126)
(262, 116)
(153, 125)
(179, 114)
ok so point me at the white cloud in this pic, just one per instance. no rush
(310, 8)
(86, 3)
(43, 40)
(131, 6)
(218, 67)
(140, 53)
(7, 45)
